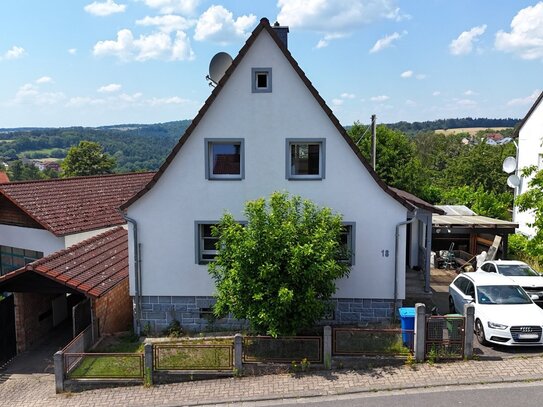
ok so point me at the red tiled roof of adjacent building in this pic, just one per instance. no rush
(3, 177)
(73, 205)
(92, 267)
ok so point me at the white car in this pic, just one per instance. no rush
(518, 271)
(504, 313)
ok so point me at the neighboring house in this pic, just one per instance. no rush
(38, 220)
(530, 153)
(3, 177)
(264, 128)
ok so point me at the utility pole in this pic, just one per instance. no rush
(373, 141)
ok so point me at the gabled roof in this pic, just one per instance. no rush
(73, 205)
(419, 203)
(91, 267)
(523, 121)
(264, 25)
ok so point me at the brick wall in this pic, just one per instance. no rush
(33, 318)
(10, 214)
(114, 309)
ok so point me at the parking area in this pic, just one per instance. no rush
(439, 283)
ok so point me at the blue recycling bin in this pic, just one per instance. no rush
(407, 322)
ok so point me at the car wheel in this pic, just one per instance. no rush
(480, 333)
(452, 309)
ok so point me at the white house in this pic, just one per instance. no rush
(530, 153)
(264, 128)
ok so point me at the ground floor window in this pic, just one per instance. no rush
(347, 242)
(13, 258)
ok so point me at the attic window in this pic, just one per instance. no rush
(262, 80)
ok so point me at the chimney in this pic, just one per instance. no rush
(282, 33)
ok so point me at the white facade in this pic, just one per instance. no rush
(530, 153)
(166, 214)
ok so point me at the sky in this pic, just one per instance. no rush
(104, 62)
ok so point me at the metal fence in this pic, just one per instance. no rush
(444, 337)
(103, 366)
(371, 341)
(283, 349)
(213, 357)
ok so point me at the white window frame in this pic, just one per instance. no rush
(199, 241)
(322, 159)
(209, 142)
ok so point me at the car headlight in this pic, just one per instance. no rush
(493, 325)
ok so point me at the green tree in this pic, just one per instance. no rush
(278, 270)
(532, 200)
(397, 163)
(87, 158)
(482, 202)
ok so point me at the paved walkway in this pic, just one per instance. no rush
(38, 389)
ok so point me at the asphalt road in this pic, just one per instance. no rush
(498, 395)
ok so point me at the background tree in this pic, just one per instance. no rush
(278, 271)
(87, 158)
(532, 200)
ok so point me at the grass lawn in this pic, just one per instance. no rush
(110, 366)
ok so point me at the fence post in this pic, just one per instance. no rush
(327, 345)
(58, 360)
(148, 364)
(238, 349)
(469, 315)
(420, 331)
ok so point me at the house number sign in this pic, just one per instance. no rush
(385, 253)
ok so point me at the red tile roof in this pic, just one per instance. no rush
(3, 177)
(265, 25)
(92, 267)
(73, 205)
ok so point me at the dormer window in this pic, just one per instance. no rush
(262, 80)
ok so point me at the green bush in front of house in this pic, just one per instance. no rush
(278, 270)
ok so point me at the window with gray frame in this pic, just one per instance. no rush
(305, 159)
(206, 243)
(261, 80)
(347, 243)
(224, 159)
(13, 258)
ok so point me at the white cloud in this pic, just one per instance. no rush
(410, 103)
(13, 53)
(386, 41)
(525, 101)
(325, 41)
(186, 7)
(335, 15)
(469, 92)
(157, 45)
(174, 100)
(44, 79)
(410, 74)
(436, 93)
(30, 94)
(465, 102)
(72, 51)
(464, 43)
(112, 87)
(380, 98)
(106, 8)
(421, 76)
(125, 100)
(81, 101)
(337, 102)
(346, 95)
(406, 74)
(217, 24)
(526, 36)
(167, 23)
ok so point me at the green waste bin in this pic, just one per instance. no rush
(407, 323)
(454, 328)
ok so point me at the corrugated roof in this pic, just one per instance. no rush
(73, 205)
(91, 267)
(471, 221)
(456, 210)
(264, 25)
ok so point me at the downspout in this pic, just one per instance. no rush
(397, 244)
(137, 273)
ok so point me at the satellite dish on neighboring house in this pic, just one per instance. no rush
(509, 165)
(513, 181)
(218, 66)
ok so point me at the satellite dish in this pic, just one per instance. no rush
(509, 165)
(218, 66)
(513, 181)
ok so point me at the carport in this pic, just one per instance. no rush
(84, 283)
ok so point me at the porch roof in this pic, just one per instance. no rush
(91, 267)
(462, 216)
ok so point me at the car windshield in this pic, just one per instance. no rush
(502, 294)
(517, 270)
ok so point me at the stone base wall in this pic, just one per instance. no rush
(194, 313)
